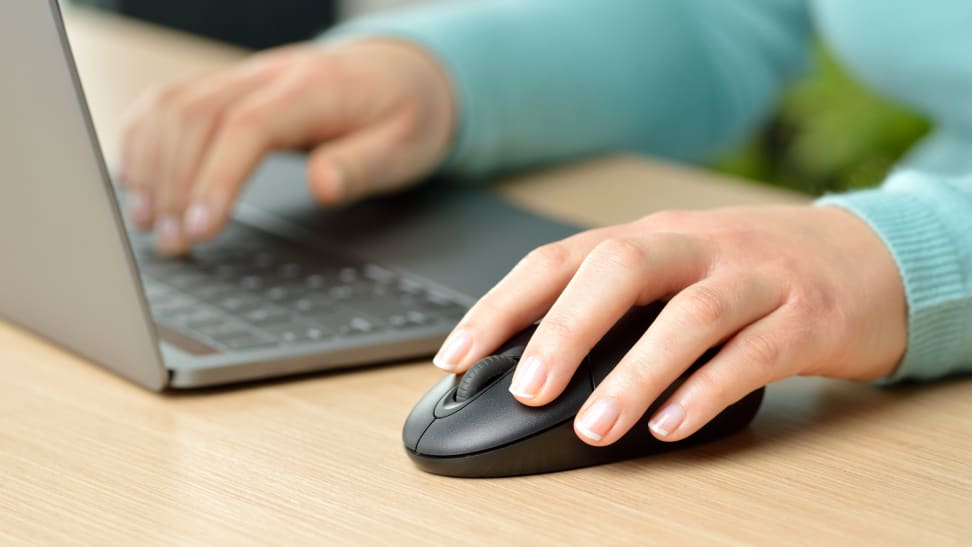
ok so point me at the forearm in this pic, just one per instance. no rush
(547, 80)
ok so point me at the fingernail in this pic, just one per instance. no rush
(452, 352)
(598, 419)
(667, 419)
(197, 220)
(335, 183)
(529, 378)
(168, 232)
(140, 206)
(340, 181)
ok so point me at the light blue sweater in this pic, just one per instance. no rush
(540, 81)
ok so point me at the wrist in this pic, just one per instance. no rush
(429, 97)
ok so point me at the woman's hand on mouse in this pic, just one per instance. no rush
(788, 291)
(376, 114)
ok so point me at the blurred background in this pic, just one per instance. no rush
(828, 133)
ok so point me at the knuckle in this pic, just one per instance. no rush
(784, 262)
(307, 72)
(245, 118)
(149, 157)
(714, 386)
(550, 257)
(813, 299)
(559, 327)
(409, 121)
(194, 110)
(637, 374)
(801, 335)
(130, 125)
(704, 305)
(620, 253)
(327, 68)
(760, 351)
(165, 95)
(487, 306)
(808, 306)
(665, 219)
(802, 305)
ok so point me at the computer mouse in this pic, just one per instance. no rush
(470, 425)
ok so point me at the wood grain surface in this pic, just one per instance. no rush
(86, 457)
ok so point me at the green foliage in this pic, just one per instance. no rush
(829, 134)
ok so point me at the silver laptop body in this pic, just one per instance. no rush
(74, 274)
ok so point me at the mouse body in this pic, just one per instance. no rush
(471, 426)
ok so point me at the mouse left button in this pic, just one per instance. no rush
(424, 412)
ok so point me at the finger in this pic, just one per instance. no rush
(617, 275)
(143, 152)
(190, 120)
(138, 160)
(285, 115)
(757, 356)
(368, 161)
(186, 147)
(696, 319)
(519, 299)
(184, 127)
(132, 125)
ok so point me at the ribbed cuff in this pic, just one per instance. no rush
(932, 273)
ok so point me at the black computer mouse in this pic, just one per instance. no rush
(471, 426)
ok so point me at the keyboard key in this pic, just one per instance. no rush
(226, 272)
(417, 318)
(172, 304)
(379, 274)
(268, 315)
(315, 281)
(155, 291)
(341, 292)
(410, 286)
(361, 324)
(264, 260)
(186, 280)
(289, 270)
(277, 294)
(214, 291)
(348, 275)
(204, 321)
(239, 303)
(292, 333)
(198, 315)
(316, 333)
(251, 282)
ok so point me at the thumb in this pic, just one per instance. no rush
(369, 161)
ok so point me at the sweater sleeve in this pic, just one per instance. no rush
(540, 81)
(926, 222)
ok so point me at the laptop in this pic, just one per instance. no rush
(287, 288)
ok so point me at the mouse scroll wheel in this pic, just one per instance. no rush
(482, 374)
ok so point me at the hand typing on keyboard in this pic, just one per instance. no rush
(376, 114)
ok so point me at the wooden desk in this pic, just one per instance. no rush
(87, 457)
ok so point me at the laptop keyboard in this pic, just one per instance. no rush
(254, 290)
